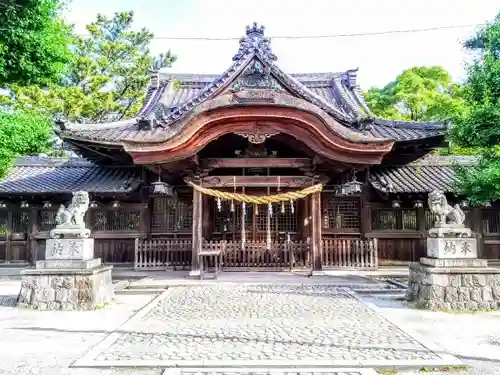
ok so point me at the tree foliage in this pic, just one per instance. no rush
(107, 77)
(22, 133)
(417, 94)
(479, 125)
(34, 42)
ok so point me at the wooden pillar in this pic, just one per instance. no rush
(365, 210)
(8, 239)
(197, 231)
(421, 227)
(145, 224)
(476, 224)
(33, 230)
(316, 240)
(207, 217)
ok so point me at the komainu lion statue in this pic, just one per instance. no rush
(445, 214)
(71, 219)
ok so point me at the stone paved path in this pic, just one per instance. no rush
(260, 325)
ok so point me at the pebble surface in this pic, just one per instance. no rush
(263, 322)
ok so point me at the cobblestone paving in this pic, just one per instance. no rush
(184, 372)
(262, 322)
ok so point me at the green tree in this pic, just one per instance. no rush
(417, 94)
(22, 133)
(479, 125)
(107, 77)
(34, 42)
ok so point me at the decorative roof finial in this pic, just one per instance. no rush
(255, 30)
(253, 41)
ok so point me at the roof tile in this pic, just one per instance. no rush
(422, 176)
(37, 175)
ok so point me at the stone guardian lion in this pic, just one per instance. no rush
(445, 213)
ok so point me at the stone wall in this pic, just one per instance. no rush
(454, 288)
(70, 290)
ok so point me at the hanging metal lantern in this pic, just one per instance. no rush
(115, 205)
(354, 187)
(396, 204)
(3, 204)
(162, 188)
(418, 204)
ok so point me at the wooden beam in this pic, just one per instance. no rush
(256, 163)
(258, 181)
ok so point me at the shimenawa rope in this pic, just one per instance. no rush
(265, 199)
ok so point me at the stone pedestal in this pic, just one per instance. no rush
(454, 284)
(451, 277)
(452, 247)
(68, 279)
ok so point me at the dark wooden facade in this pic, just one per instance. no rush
(254, 130)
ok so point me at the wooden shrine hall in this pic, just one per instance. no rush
(268, 169)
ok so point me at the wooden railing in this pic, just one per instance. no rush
(260, 254)
(337, 253)
(162, 254)
(350, 253)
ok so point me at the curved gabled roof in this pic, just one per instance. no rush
(171, 97)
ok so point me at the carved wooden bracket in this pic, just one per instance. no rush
(257, 136)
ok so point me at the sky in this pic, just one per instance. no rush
(380, 58)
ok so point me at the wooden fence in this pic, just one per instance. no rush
(275, 255)
(350, 253)
(161, 254)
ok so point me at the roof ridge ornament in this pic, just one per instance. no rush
(253, 41)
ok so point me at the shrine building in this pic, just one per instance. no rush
(275, 170)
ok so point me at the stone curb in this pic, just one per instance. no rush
(270, 371)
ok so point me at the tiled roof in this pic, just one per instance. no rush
(422, 176)
(171, 97)
(37, 175)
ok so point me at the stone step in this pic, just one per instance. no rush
(267, 371)
(139, 291)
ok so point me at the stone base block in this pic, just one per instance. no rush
(66, 289)
(69, 248)
(69, 264)
(452, 248)
(457, 263)
(454, 288)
